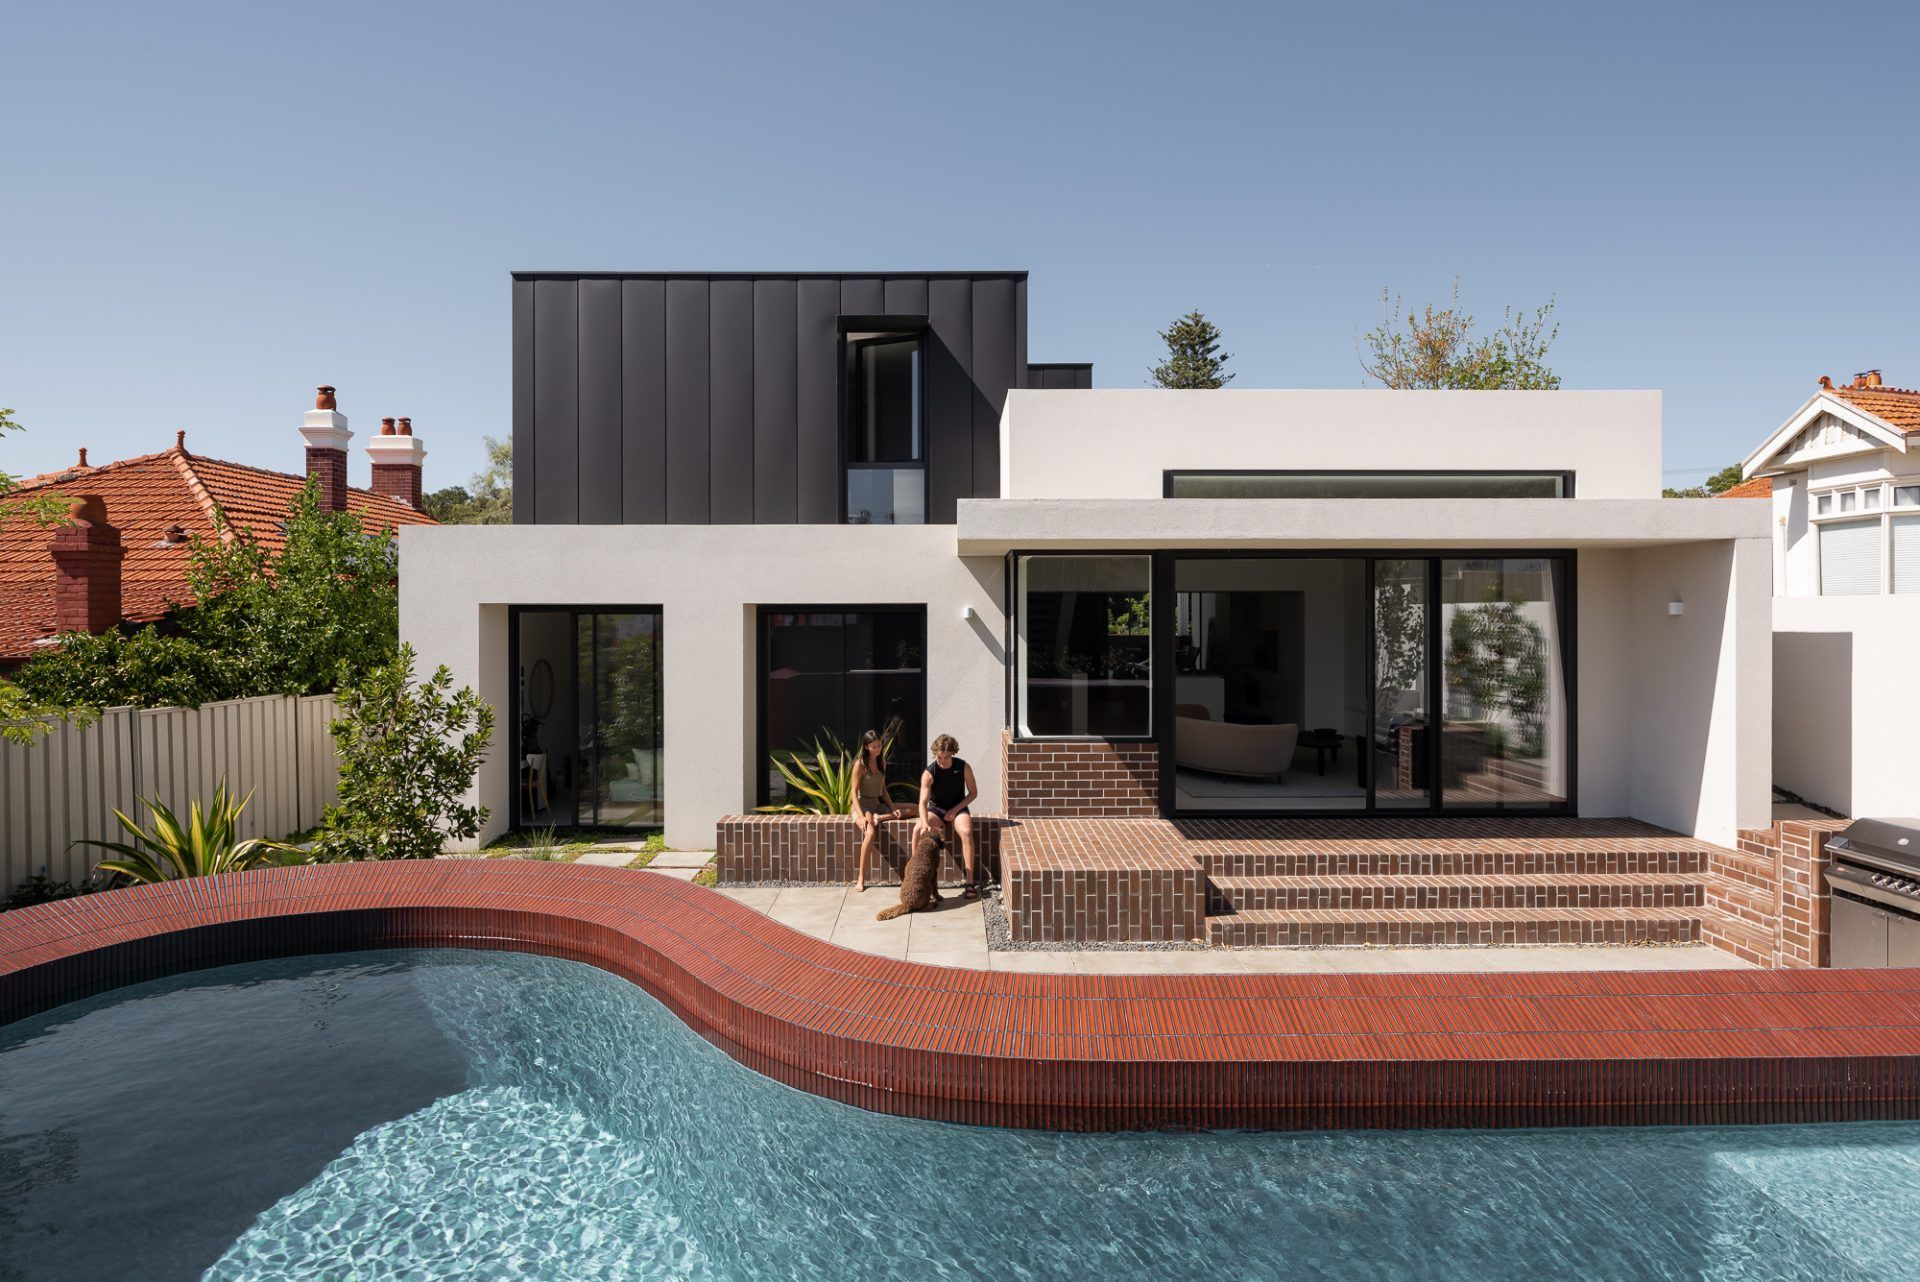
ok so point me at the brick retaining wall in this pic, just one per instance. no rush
(826, 849)
(1080, 778)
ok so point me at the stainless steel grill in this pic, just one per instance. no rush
(1875, 879)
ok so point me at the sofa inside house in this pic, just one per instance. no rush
(1228, 748)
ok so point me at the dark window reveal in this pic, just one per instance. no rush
(827, 675)
(1369, 485)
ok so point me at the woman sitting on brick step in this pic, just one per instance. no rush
(872, 804)
(946, 790)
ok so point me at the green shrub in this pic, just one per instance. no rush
(42, 889)
(206, 844)
(408, 752)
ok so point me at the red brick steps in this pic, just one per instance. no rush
(1522, 890)
(1453, 927)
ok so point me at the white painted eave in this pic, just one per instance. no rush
(1822, 402)
(993, 527)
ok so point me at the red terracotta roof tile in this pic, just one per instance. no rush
(1898, 406)
(145, 496)
(1758, 487)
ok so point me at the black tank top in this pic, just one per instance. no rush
(949, 785)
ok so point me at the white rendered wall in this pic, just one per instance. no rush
(456, 583)
(1118, 444)
(1698, 691)
(1847, 700)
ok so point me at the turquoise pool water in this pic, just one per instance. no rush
(434, 1114)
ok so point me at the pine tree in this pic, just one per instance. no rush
(1194, 358)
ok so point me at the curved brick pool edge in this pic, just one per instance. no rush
(1079, 1052)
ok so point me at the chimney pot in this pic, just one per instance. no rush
(180, 440)
(396, 455)
(326, 434)
(83, 456)
(86, 558)
(1826, 382)
(1873, 378)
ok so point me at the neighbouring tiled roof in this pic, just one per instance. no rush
(1758, 487)
(1898, 406)
(143, 497)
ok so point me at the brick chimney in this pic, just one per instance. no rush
(327, 435)
(397, 454)
(86, 561)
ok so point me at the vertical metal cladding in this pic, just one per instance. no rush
(715, 398)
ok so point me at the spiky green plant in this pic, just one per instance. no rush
(207, 843)
(824, 778)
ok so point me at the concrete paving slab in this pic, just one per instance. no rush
(682, 859)
(758, 898)
(678, 874)
(607, 858)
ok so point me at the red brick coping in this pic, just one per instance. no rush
(1084, 1052)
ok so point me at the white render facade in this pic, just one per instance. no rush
(1177, 530)
(1846, 578)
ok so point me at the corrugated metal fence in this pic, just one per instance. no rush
(67, 784)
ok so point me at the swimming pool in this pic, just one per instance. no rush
(434, 1113)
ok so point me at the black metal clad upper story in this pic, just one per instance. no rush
(716, 398)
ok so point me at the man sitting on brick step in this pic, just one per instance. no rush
(946, 790)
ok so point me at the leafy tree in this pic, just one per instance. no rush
(1719, 483)
(408, 752)
(326, 605)
(45, 509)
(1438, 348)
(147, 668)
(293, 623)
(485, 500)
(1194, 358)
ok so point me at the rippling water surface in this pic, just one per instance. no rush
(439, 1114)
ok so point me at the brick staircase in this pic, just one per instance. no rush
(1427, 882)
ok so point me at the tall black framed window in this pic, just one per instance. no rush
(1083, 658)
(587, 726)
(828, 674)
(885, 402)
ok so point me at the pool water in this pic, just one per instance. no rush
(432, 1114)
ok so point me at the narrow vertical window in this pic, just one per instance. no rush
(886, 437)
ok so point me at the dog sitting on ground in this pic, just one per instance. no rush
(918, 883)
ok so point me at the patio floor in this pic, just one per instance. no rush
(956, 935)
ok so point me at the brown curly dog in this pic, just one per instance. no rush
(918, 881)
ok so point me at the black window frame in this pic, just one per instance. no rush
(761, 794)
(856, 331)
(1565, 476)
(515, 820)
(1012, 607)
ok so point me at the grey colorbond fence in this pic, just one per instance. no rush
(67, 784)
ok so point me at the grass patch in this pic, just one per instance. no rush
(655, 844)
(541, 845)
(708, 876)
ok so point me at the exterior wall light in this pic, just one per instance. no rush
(966, 614)
(1676, 607)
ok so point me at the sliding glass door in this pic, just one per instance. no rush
(1366, 683)
(587, 718)
(1503, 668)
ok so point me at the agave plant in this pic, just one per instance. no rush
(824, 778)
(205, 844)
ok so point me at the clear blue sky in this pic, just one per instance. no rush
(209, 209)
